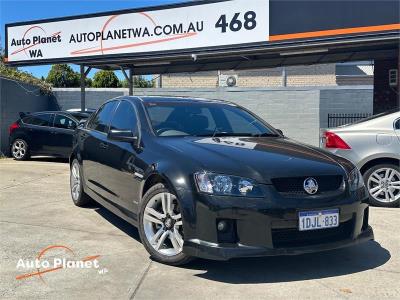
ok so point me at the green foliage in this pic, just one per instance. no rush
(105, 79)
(139, 82)
(25, 77)
(63, 76)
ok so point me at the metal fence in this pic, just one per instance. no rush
(335, 120)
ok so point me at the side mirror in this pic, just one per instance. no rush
(123, 136)
(280, 131)
(82, 122)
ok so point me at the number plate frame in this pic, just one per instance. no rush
(314, 224)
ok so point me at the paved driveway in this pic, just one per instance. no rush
(36, 211)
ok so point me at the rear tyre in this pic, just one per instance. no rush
(383, 184)
(161, 226)
(79, 197)
(20, 149)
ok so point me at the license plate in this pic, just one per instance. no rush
(312, 220)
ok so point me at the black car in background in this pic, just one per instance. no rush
(207, 178)
(46, 133)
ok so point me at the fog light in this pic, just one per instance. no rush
(222, 225)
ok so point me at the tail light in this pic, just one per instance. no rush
(332, 140)
(12, 127)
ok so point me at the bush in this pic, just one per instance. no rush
(25, 77)
(105, 79)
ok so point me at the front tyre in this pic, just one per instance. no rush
(76, 186)
(161, 227)
(20, 149)
(383, 183)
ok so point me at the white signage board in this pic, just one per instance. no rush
(159, 29)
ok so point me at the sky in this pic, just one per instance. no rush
(24, 10)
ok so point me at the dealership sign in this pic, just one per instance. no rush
(158, 29)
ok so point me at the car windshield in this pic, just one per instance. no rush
(204, 119)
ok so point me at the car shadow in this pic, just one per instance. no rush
(49, 159)
(118, 222)
(275, 269)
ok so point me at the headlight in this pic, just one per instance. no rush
(356, 180)
(218, 184)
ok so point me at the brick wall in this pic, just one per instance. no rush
(314, 75)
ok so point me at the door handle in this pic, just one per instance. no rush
(103, 145)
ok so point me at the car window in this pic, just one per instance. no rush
(62, 121)
(204, 119)
(241, 122)
(101, 119)
(397, 124)
(125, 117)
(39, 120)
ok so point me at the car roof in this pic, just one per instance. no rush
(379, 121)
(169, 99)
(68, 113)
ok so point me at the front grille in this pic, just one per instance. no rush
(294, 185)
(292, 237)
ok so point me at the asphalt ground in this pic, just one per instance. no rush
(36, 212)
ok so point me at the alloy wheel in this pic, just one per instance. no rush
(19, 149)
(384, 185)
(75, 181)
(162, 223)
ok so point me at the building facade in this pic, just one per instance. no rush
(360, 73)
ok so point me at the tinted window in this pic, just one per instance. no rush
(40, 120)
(203, 119)
(397, 124)
(101, 120)
(64, 122)
(124, 117)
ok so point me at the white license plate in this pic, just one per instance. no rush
(312, 220)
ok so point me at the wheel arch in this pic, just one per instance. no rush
(378, 161)
(153, 179)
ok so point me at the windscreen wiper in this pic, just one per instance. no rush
(265, 134)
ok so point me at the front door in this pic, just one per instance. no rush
(126, 167)
(95, 157)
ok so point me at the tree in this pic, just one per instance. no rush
(139, 82)
(63, 76)
(88, 82)
(106, 79)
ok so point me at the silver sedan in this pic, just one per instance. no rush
(373, 145)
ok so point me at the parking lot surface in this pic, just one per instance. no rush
(36, 212)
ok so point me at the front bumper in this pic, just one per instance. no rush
(268, 226)
(215, 251)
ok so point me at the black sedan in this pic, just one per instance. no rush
(207, 178)
(46, 133)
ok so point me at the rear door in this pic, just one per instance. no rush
(94, 150)
(63, 131)
(39, 129)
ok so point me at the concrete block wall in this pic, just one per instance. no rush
(71, 97)
(345, 100)
(300, 112)
(18, 97)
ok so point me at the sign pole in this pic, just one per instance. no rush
(130, 81)
(83, 100)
